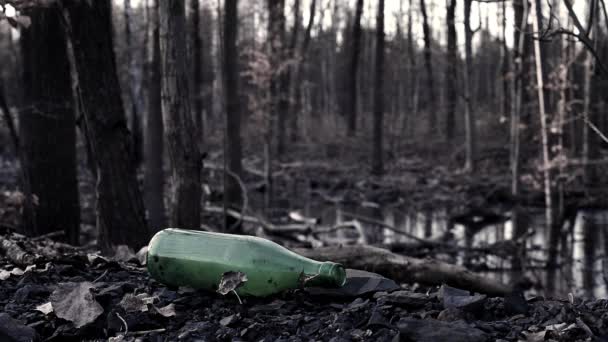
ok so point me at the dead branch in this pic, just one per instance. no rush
(407, 269)
(15, 253)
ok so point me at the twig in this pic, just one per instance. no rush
(595, 129)
(237, 297)
(124, 322)
(143, 332)
(101, 276)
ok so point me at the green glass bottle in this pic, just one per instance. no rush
(197, 259)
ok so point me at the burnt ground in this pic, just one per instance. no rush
(97, 298)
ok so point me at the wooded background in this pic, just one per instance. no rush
(517, 85)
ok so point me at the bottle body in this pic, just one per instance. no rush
(180, 257)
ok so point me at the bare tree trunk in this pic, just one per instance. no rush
(134, 94)
(411, 53)
(297, 88)
(506, 66)
(554, 230)
(275, 46)
(207, 71)
(120, 210)
(291, 69)
(469, 115)
(377, 158)
(197, 78)
(282, 64)
(428, 64)
(451, 71)
(180, 128)
(517, 90)
(154, 178)
(590, 141)
(231, 101)
(351, 103)
(48, 127)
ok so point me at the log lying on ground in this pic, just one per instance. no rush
(407, 269)
(16, 254)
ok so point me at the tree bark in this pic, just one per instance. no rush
(517, 94)
(48, 126)
(197, 77)
(231, 101)
(132, 86)
(179, 124)
(451, 71)
(428, 64)
(351, 103)
(275, 48)
(297, 88)
(407, 269)
(154, 178)
(120, 211)
(282, 65)
(506, 66)
(377, 158)
(469, 116)
(208, 70)
(554, 230)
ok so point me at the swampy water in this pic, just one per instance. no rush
(581, 247)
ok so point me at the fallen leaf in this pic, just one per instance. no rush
(4, 274)
(45, 308)
(74, 302)
(135, 303)
(166, 311)
(124, 253)
(142, 256)
(231, 281)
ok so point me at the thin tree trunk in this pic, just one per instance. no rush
(428, 64)
(351, 103)
(231, 101)
(451, 71)
(275, 46)
(197, 77)
(180, 128)
(207, 70)
(132, 85)
(506, 66)
(411, 53)
(282, 67)
(469, 116)
(517, 90)
(48, 127)
(554, 231)
(291, 59)
(120, 210)
(590, 141)
(377, 158)
(297, 87)
(154, 178)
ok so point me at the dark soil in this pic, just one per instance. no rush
(118, 300)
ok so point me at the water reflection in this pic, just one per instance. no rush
(580, 252)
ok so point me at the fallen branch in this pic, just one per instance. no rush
(407, 269)
(15, 253)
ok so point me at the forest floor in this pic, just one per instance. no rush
(70, 294)
(96, 298)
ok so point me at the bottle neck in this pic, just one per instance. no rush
(329, 274)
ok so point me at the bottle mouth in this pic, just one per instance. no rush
(332, 274)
